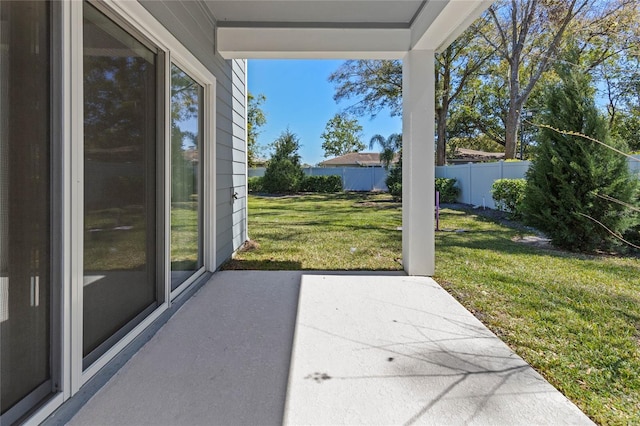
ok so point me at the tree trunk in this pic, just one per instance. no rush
(513, 114)
(511, 132)
(441, 141)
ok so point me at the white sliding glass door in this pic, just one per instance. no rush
(120, 183)
(26, 312)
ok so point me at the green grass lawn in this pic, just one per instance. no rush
(574, 318)
(323, 232)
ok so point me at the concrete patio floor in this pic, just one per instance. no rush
(368, 349)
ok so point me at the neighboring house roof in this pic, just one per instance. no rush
(464, 155)
(356, 159)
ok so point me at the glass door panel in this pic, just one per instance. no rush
(25, 207)
(120, 122)
(186, 176)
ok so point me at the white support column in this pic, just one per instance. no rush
(418, 162)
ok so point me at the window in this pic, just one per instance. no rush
(120, 182)
(25, 207)
(186, 176)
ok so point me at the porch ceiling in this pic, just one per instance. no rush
(317, 12)
(359, 29)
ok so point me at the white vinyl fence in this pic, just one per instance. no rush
(474, 179)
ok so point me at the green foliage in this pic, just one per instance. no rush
(508, 195)
(377, 84)
(255, 120)
(322, 184)
(342, 135)
(390, 146)
(255, 184)
(448, 190)
(626, 127)
(571, 176)
(394, 179)
(632, 235)
(284, 173)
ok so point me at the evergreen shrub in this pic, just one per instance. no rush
(572, 179)
(284, 173)
(394, 182)
(448, 190)
(394, 179)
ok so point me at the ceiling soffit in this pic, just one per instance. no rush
(357, 29)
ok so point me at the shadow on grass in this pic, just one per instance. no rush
(261, 265)
(496, 241)
(280, 265)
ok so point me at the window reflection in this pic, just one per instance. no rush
(25, 207)
(120, 110)
(186, 166)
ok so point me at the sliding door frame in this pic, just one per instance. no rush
(170, 49)
(207, 175)
(67, 166)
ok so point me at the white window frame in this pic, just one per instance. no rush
(72, 137)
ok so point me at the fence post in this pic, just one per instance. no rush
(373, 178)
(469, 164)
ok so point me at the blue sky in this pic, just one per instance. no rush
(300, 97)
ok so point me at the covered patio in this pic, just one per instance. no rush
(249, 348)
(266, 348)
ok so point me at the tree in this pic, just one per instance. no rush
(528, 36)
(608, 50)
(376, 83)
(627, 128)
(390, 147)
(457, 66)
(573, 180)
(255, 120)
(342, 135)
(284, 173)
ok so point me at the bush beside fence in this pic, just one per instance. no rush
(324, 184)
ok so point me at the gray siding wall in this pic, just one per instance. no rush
(191, 23)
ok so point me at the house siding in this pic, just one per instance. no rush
(192, 24)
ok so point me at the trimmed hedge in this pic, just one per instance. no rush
(448, 190)
(326, 184)
(508, 195)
